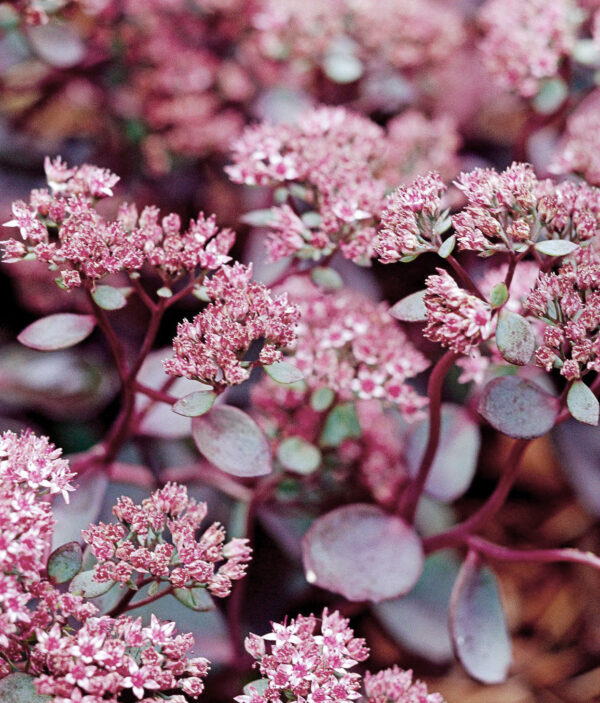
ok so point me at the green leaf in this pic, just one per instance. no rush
(498, 295)
(478, 625)
(258, 218)
(109, 297)
(195, 404)
(583, 404)
(551, 96)
(197, 599)
(410, 309)
(259, 685)
(341, 424)
(153, 588)
(321, 399)
(284, 372)
(232, 441)
(447, 247)
(518, 407)
(362, 553)
(326, 278)
(65, 562)
(556, 247)
(514, 337)
(84, 584)
(59, 331)
(20, 688)
(311, 218)
(341, 63)
(164, 292)
(298, 455)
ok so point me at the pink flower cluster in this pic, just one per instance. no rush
(334, 156)
(30, 466)
(570, 302)
(118, 659)
(171, 251)
(158, 538)
(212, 347)
(526, 40)
(376, 458)
(349, 344)
(62, 228)
(396, 686)
(456, 319)
(579, 150)
(307, 660)
(499, 215)
(413, 220)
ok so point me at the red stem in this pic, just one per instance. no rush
(495, 551)
(466, 280)
(410, 498)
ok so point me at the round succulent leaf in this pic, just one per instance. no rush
(298, 455)
(410, 309)
(232, 441)
(498, 295)
(419, 620)
(362, 553)
(321, 399)
(456, 459)
(556, 247)
(284, 372)
(518, 407)
(57, 44)
(341, 424)
(515, 338)
(109, 297)
(583, 404)
(195, 404)
(82, 509)
(259, 218)
(58, 331)
(478, 624)
(551, 96)
(84, 584)
(326, 278)
(197, 599)
(20, 688)
(341, 63)
(164, 292)
(65, 562)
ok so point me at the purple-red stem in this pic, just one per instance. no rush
(495, 551)
(410, 499)
(466, 280)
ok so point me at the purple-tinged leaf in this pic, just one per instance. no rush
(419, 620)
(59, 331)
(284, 372)
(65, 562)
(579, 448)
(556, 247)
(20, 688)
(57, 44)
(456, 459)
(517, 407)
(478, 625)
(195, 404)
(514, 338)
(583, 404)
(410, 309)
(232, 441)
(84, 584)
(298, 455)
(362, 553)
